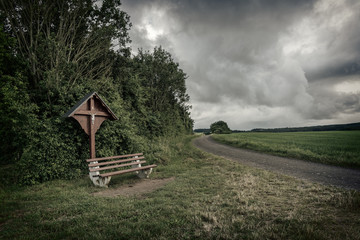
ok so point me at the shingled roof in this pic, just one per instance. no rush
(73, 110)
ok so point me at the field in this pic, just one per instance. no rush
(209, 198)
(341, 148)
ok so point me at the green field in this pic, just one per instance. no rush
(209, 198)
(341, 148)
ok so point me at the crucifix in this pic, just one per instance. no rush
(90, 112)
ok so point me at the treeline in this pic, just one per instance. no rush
(335, 127)
(52, 53)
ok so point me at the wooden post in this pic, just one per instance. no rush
(92, 129)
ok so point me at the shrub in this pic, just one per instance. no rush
(220, 127)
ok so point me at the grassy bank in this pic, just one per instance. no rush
(210, 198)
(341, 148)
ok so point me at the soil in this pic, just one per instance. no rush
(315, 172)
(137, 189)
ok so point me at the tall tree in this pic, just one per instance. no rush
(15, 107)
(66, 41)
(164, 81)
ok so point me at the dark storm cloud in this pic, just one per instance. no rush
(258, 60)
(339, 55)
(335, 70)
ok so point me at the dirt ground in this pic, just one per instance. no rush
(137, 189)
(315, 172)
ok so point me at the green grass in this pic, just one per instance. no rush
(341, 148)
(210, 198)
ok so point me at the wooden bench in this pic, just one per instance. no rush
(101, 169)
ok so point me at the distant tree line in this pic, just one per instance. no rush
(52, 53)
(335, 127)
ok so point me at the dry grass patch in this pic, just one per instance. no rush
(138, 188)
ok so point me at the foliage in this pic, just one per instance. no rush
(339, 148)
(68, 40)
(55, 52)
(16, 111)
(165, 97)
(220, 127)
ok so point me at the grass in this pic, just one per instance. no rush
(210, 198)
(341, 148)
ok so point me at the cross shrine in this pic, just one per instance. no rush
(90, 112)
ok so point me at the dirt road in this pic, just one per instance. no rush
(325, 174)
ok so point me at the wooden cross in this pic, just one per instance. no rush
(91, 112)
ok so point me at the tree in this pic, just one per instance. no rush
(16, 110)
(165, 94)
(66, 41)
(220, 127)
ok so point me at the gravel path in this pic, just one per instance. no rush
(316, 172)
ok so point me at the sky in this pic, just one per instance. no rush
(259, 63)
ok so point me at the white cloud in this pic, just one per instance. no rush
(351, 85)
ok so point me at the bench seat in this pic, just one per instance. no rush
(127, 170)
(101, 169)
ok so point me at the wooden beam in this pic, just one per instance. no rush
(116, 166)
(113, 162)
(92, 130)
(114, 157)
(89, 113)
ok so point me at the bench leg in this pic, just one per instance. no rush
(144, 173)
(136, 164)
(97, 180)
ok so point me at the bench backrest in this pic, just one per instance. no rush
(134, 155)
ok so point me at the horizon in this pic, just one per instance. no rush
(335, 124)
(255, 63)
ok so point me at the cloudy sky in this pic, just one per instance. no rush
(259, 63)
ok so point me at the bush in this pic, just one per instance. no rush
(220, 127)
